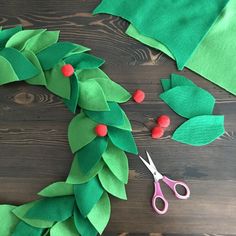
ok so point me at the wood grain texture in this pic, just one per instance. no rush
(33, 129)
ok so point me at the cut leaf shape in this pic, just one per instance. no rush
(78, 49)
(86, 74)
(6, 34)
(166, 84)
(126, 125)
(81, 126)
(200, 130)
(57, 189)
(189, 101)
(91, 154)
(111, 184)
(179, 80)
(102, 208)
(27, 230)
(87, 195)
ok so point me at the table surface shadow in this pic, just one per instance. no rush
(33, 129)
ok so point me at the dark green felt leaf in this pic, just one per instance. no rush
(200, 130)
(179, 80)
(123, 139)
(27, 230)
(189, 101)
(91, 154)
(166, 84)
(52, 209)
(8, 33)
(78, 49)
(87, 195)
(126, 125)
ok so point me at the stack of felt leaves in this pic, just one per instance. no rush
(196, 104)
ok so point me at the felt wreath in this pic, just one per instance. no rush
(99, 135)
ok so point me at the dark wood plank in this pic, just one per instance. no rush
(33, 129)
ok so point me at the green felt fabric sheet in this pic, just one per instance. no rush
(27, 230)
(6, 34)
(170, 22)
(87, 195)
(200, 130)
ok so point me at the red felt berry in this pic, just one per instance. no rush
(163, 121)
(157, 132)
(101, 130)
(138, 96)
(67, 70)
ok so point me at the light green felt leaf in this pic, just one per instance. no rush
(51, 56)
(52, 209)
(111, 184)
(27, 230)
(8, 74)
(91, 154)
(166, 84)
(57, 189)
(20, 212)
(117, 162)
(78, 49)
(189, 101)
(76, 176)
(86, 74)
(81, 132)
(40, 78)
(23, 68)
(92, 96)
(64, 228)
(8, 33)
(8, 220)
(87, 195)
(112, 117)
(122, 139)
(200, 130)
(100, 214)
(179, 80)
(57, 83)
(19, 40)
(84, 227)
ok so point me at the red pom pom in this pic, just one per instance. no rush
(138, 96)
(67, 70)
(157, 132)
(101, 130)
(163, 121)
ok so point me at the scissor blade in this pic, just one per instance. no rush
(150, 159)
(147, 164)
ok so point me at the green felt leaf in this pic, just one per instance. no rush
(112, 117)
(64, 228)
(23, 68)
(84, 227)
(40, 78)
(27, 230)
(189, 101)
(8, 74)
(8, 33)
(100, 214)
(81, 132)
(57, 189)
(179, 80)
(20, 212)
(91, 154)
(87, 195)
(200, 130)
(86, 74)
(57, 83)
(76, 176)
(84, 61)
(111, 184)
(166, 84)
(126, 125)
(117, 162)
(123, 139)
(74, 95)
(78, 49)
(92, 96)
(52, 209)
(9, 220)
(51, 55)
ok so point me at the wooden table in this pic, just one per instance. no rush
(33, 129)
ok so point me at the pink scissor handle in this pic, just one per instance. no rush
(173, 185)
(159, 195)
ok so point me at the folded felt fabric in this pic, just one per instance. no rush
(215, 58)
(179, 25)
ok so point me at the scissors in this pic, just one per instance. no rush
(172, 184)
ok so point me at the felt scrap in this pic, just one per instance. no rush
(117, 162)
(179, 80)
(200, 130)
(57, 189)
(166, 84)
(102, 208)
(8, 33)
(111, 184)
(86, 74)
(189, 101)
(27, 230)
(52, 209)
(174, 27)
(81, 126)
(87, 195)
